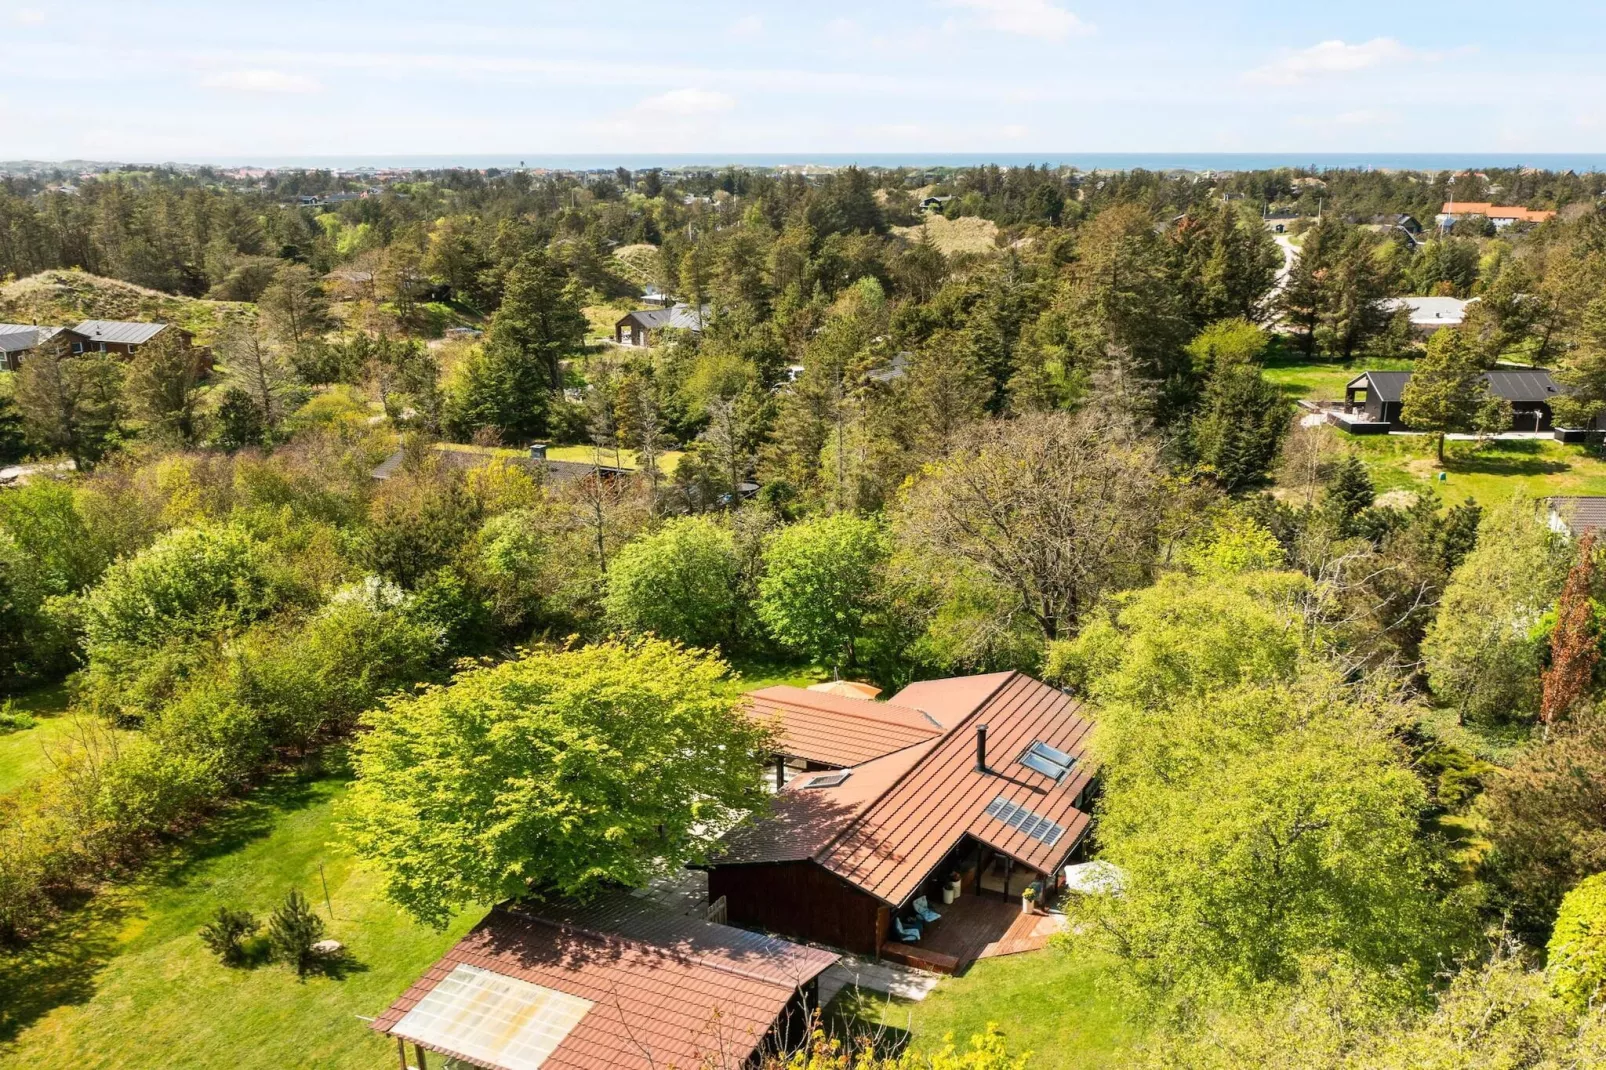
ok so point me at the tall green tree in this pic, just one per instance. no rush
(164, 388)
(70, 403)
(1448, 392)
(821, 585)
(539, 319)
(678, 582)
(569, 770)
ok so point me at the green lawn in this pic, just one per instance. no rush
(24, 755)
(1322, 379)
(1489, 473)
(1054, 1003)
(126, 983)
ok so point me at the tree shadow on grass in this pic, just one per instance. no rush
(861, 1017)
(59, 966)
(1522, 457)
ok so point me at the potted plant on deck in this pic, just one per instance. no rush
(1027, 898)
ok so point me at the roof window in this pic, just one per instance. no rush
(1050, 761)
(828, 780)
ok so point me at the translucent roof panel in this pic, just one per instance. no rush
(493, 1019)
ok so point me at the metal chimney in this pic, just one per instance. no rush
(981, 748)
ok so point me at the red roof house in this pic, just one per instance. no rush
(995, 793)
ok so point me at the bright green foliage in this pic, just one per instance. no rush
(1483, 652)
(555, 772)
(678, 583)
(192, 581)
(985, 1051)
(226, 933)
(820, 585)
(1226, 343)
(1447, 391)
(1260, 812)
(1577, 951)
(292, 930)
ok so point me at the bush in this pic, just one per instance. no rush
(292, 930)
(13, 719)
(1578, 945)
(821, 584)
(227, 933)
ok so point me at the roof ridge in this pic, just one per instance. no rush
(899, 779)
(814, 705)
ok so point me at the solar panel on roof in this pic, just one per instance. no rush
(1050, 761)
(828, 780)
(1016, 816)
(498, 1020)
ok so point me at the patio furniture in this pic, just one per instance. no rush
(905, 934)
(923, 908)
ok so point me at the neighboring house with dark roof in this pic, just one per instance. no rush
(1575, 516)
(1377, 396)
(639, 328)
(994, 792)
(619, 984)
(122, 337)
(17, 339)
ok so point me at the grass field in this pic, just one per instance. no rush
(24, 755)
(125, 982)
(1489, 473)
(579, 454)
(1322, 379)
(1054, 1003)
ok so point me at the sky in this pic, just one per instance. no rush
(235, 81)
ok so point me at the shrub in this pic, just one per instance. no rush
(292, 930)
(227, 933)
(13, 719)
(1578, 944)
(821, 584)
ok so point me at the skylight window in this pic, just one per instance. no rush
(1050, 761)
(828, 780)
(1016, 816)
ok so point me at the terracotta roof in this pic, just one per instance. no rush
(950, 700)
(890, 844)
(836, 730)
(666, 990)
(803, 820)
(1491, 210)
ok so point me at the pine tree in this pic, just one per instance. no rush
(1350, 493)
(539, 320)
(292, 930)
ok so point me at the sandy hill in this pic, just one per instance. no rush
(66, 297)
(967, 234)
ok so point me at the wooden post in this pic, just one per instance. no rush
(418, 1053)
(401, 1053)
(780, 772)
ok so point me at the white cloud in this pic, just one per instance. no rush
(261, 81)
(843, 28)
(28, 16)
(1030, 18)
(688, 102)
(1332, 57)
(747, 28)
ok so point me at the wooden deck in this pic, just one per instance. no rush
(975, 927)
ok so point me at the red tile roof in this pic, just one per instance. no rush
(953, 699)
(890, 844)
(836, 730)
(1490, 210)
(667, 990)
